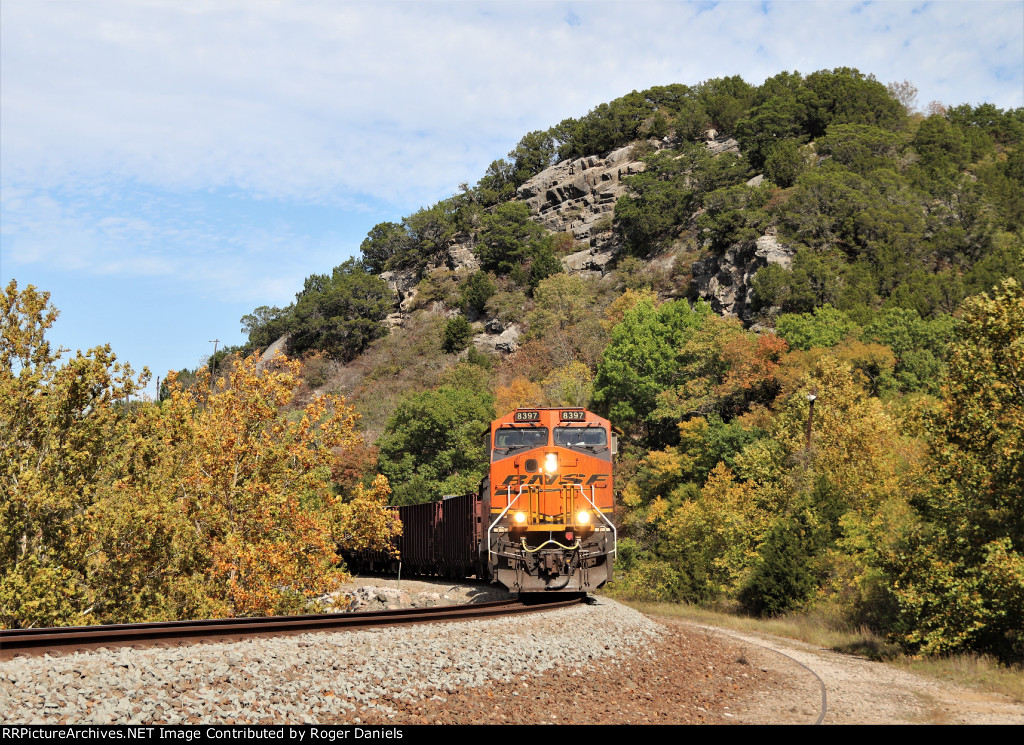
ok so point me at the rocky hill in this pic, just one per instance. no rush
(852, 238)
(578, 197)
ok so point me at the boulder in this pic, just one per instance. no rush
(505, 343)
(589, 262)
(723, 145)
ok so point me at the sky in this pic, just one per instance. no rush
(168, 166)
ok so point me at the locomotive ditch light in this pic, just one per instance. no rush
(520, 518)
(583, 517)
(551, 462)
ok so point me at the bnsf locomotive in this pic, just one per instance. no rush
(549, 500)
(541, 519)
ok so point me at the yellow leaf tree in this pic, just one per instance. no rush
(59, 424)
(244, 494)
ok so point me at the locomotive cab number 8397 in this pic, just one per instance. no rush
(565, 416)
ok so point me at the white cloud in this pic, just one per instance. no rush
(312, 101)
(145, 235)
(358, 104)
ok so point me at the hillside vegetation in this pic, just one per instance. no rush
(815, 240)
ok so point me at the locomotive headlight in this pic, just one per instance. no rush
(520, 518)
(583, 518)
(551, 462)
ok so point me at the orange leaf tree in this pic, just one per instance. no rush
(246, 489)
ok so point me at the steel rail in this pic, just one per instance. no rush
(823, 709)
(63, 639)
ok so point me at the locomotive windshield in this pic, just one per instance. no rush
(520, 437)
(585, 438)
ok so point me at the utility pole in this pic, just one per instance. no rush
(213, 359)
(811, 398)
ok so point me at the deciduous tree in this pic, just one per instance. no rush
(234, 512)
(432, 444)
(60, 425)
(960, 581)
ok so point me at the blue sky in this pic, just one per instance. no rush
(166, 167)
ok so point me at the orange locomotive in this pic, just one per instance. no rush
(549, 496)
(541, 520)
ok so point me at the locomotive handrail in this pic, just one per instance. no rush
(615, 533)
(498, 518)
(490, 528)
(560, 545)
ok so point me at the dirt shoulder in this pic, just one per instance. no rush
(858, 691)
(698, 674)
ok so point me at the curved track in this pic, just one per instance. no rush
(821, 683)
(746, 639)
(14, 642)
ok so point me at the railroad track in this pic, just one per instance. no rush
(749, 639)
(15, 642)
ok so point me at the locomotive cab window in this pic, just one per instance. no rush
(590, 439)
(510, 440)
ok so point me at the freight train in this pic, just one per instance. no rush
(541, 520)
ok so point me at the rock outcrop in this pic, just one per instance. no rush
(461, 257)
(504, 341)
(590, 262)
(723, 145)
(278, 347)
(578, 196)
(403, 283)
(725, 280)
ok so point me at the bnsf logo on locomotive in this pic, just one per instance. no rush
(564, 479)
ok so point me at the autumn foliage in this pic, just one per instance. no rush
(212, 503)
(58, 425)
(254, 487)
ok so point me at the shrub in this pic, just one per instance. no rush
(457, 333)
(475, 292)
(783, 578)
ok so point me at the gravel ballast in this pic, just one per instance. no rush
(598, 664)
(314, 678)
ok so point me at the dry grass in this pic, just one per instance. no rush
(977, 671)
(984, 673)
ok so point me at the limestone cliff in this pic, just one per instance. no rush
(725, 280)
(573, 196)
(578, 197)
